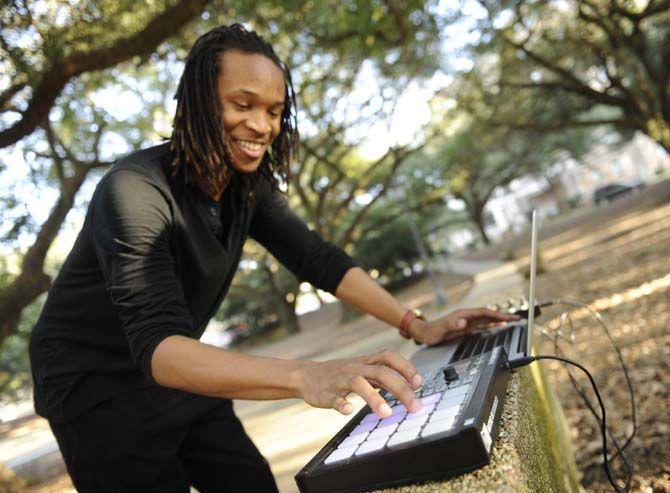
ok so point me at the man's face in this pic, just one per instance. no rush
(251, 91)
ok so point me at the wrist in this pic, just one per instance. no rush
(298, 378)
(409, 322)
(416, 329)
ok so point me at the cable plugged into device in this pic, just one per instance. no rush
(602, 419)
(629, 383)
(519, 362)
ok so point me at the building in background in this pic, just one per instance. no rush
(567, 184)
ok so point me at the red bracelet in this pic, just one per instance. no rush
(407, 319)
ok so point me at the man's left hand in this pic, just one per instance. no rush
(457, 324)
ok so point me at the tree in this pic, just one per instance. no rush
(64, 50)
(479, 158)
(333, 188)
(62, 154)
(55, 67)
(57, 72)
(578, 63)
(262, 285)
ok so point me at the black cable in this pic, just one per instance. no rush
(629, 383)
(603, 422)
(618, 448)
(618, 452)
(587, 402)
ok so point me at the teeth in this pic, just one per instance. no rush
(249, 145)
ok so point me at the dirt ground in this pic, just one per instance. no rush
(620, 266)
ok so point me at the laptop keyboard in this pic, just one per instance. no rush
(511, 336)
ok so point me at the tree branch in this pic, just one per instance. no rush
(392, 216)
(574, 82)
(7, 95)
(55, 154)
(399, 17)
(563, 125)
(59, 74)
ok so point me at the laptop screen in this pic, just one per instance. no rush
(531, 295)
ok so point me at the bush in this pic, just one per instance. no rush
(541, 268)
(508, 255)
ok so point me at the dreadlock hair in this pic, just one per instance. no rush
(198, 139)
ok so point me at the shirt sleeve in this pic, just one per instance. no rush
(131, 221)
(299, 249)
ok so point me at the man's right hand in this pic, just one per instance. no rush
(327, 384)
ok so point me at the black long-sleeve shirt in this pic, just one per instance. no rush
(154, 258)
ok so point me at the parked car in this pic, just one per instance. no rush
(613, 191)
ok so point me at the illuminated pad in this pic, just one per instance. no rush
(340, 454)
(353, 440)
(404, 437)
(412, 423)
(441, 426)
(372, 446)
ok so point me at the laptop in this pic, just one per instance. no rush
(516, 337)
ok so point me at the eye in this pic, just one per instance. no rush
(242, 105)
(276, 111)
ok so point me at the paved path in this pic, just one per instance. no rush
(289, 432)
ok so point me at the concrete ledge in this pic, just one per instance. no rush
(532, 452)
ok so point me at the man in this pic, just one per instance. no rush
(135, 401)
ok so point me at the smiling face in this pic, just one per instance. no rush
(251, 90)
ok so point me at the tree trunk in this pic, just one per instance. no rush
(288, 317)
(477, 215)
(277, 299)
(482, 231)
(32, 281)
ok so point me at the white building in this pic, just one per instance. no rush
(641, 160)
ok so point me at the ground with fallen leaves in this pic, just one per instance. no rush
(620, 266)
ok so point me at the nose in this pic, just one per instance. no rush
(259, 122)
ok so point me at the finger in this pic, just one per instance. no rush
(488, 324)
(342, 405)
(494, 315)
(454, 334)
(401, 365)
(372, 398)
(465, 326)
(502, 316)
(471, 326)
(394, 383)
